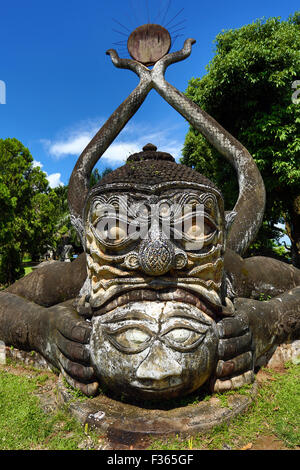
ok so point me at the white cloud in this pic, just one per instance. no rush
(72, 141)
(35, 164)
(131, 140)
(54, 180)
(73, 146)
(119, 152)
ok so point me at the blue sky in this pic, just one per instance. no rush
(61, 86)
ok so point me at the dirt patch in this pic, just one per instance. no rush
(270, 442)
(126, 441)
(264, 376)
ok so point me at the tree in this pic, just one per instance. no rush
(64, 233)
(96, 176)
(248, 90)
(27, 212)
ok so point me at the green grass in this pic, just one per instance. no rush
(23, 423)
(27, 260)
(275, 411)
(28, 269)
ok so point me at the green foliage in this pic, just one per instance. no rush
(263, 297)
(64, 233)
(248, 90)
(27, 209)
(77, 394)
(96, 176)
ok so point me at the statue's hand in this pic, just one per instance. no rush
(68, 338)
(235, 365)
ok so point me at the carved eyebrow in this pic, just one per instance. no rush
(187, 316)
(128, 316)
(112, 327)
(115, 328)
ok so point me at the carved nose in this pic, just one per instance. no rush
(156, 256)
(159, 364)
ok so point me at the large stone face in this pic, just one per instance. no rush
(154, 350)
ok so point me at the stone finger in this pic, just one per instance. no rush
(76, 352)
(235, 365)
(74, 328)
(75, 370)
(231, 327)
(232, 347)
(90, 389)
(233, 383)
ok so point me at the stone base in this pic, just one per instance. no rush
(124, 421)
(289, 352)
(32, 358)
(277, 356)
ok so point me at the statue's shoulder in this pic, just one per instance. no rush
(52, 283)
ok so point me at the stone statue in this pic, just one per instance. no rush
(158, 315)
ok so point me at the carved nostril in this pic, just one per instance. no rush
(156, 257)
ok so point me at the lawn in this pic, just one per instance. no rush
(272, 420)
(23, 422)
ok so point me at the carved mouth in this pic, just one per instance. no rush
(163, 386)
(175, 295)
(158, 389)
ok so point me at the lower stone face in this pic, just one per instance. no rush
(153, 350)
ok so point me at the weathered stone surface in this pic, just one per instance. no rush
(260, 276)
(52, 283)
(154, 350)
(117, 418)
(31, 358)
(55, 282)
(288, 352)
(149, 43)
(144, 297)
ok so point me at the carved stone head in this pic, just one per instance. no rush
(154, 233)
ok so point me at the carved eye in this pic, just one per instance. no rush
(132, 340)
(183, 339)
(164, 210)
(197, 232)
(116, 233)
(111, 230)
(194, 231)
